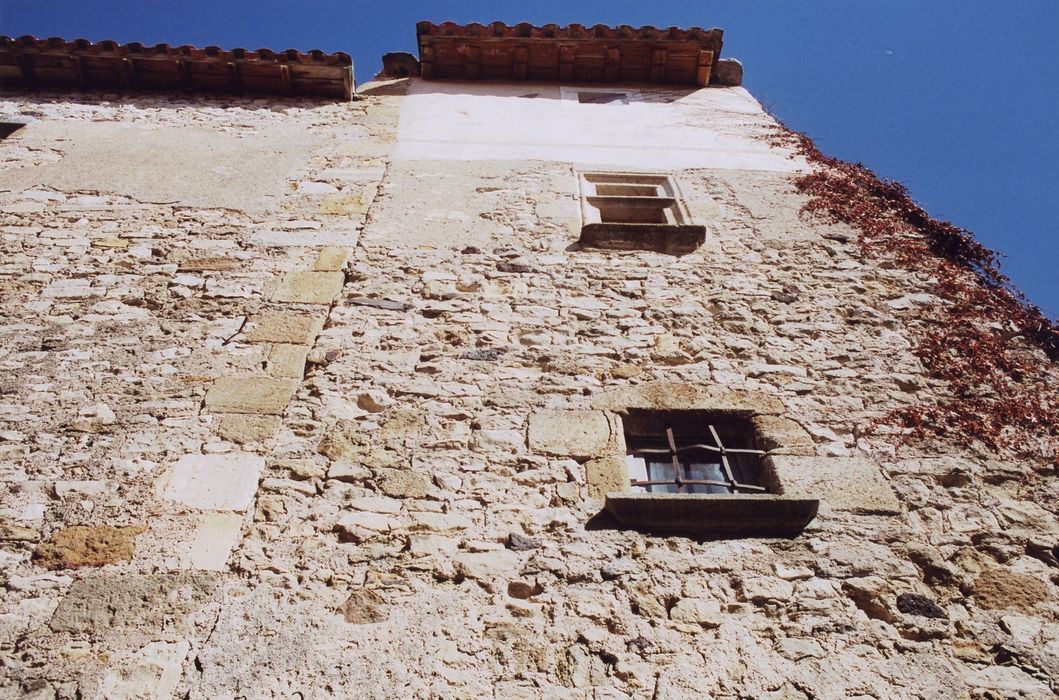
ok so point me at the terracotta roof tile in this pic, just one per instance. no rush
(574, 53)
(29, 63)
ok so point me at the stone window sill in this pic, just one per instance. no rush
(712, 515)
(672, 239)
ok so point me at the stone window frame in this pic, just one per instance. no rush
(597, 436)
(636, 210)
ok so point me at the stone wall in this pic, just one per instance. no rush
(293, 407)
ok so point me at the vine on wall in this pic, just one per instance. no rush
(997, 352)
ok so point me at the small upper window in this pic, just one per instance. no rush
(636, 211)
(602, 98)
(691, 454)
(599, 96)
(10, 124)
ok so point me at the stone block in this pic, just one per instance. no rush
(211, 541)
(155, 602)
(250, 395)
(782, 435)
(683, 396)
(284, 327)
(309, 287)
(152, 672)
(405, 484)
(80, 545)
(1000, 589)
(842, 483)
(331, 259)
(285, 360)
(606, 475)
(215, 482)
(569, 433)
(244, 428)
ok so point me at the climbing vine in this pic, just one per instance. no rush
(996, 351)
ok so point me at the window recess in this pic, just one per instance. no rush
(636, 211)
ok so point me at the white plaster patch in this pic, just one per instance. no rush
(215, 482)
(658, 129)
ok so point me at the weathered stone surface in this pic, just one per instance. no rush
(81, 545)
(250, 395)
(363, 607)
(331, 259)
(284, 327)
(1000, 589)
(285, 360)
(212, 540)
(247, 428)
(569, 433)
(13, 533)
(215, 482)
(343, 441)
(486, 566)
(98, 604)
(606, 475)
(309, 287)
(782, 435)
(152, 672)
(404, 484)
(845, 484)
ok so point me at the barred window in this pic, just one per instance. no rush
(709, 454)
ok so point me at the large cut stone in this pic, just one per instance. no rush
(284, 327)
(215, 482)
(309, 287)
(97, 604)
(245, 428)
(842, 483)
(212, 540)
(250, 394)
(152, 672)
(569, 433)
(782, 435)
(80, 545)
(606, 475)
(1000, 589)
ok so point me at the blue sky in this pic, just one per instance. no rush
(958, 99)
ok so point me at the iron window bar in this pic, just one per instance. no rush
(680, 467)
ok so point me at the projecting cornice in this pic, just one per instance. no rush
(574, 53)
(28, 63)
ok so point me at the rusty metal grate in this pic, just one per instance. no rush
(683, 468)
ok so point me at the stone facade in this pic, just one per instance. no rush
(315, 399)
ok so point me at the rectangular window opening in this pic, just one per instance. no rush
(691, 452)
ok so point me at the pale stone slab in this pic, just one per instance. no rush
(842, 483)
(215, 482)
(152, 672)
(250, 394)
(284, 327)
(212, 540)
(331, 259)
(309, 287)
(286, 360)
(569, 433)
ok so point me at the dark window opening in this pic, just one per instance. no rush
(691, 452)
(602, 98)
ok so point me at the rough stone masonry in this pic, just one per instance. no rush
(306, 399)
